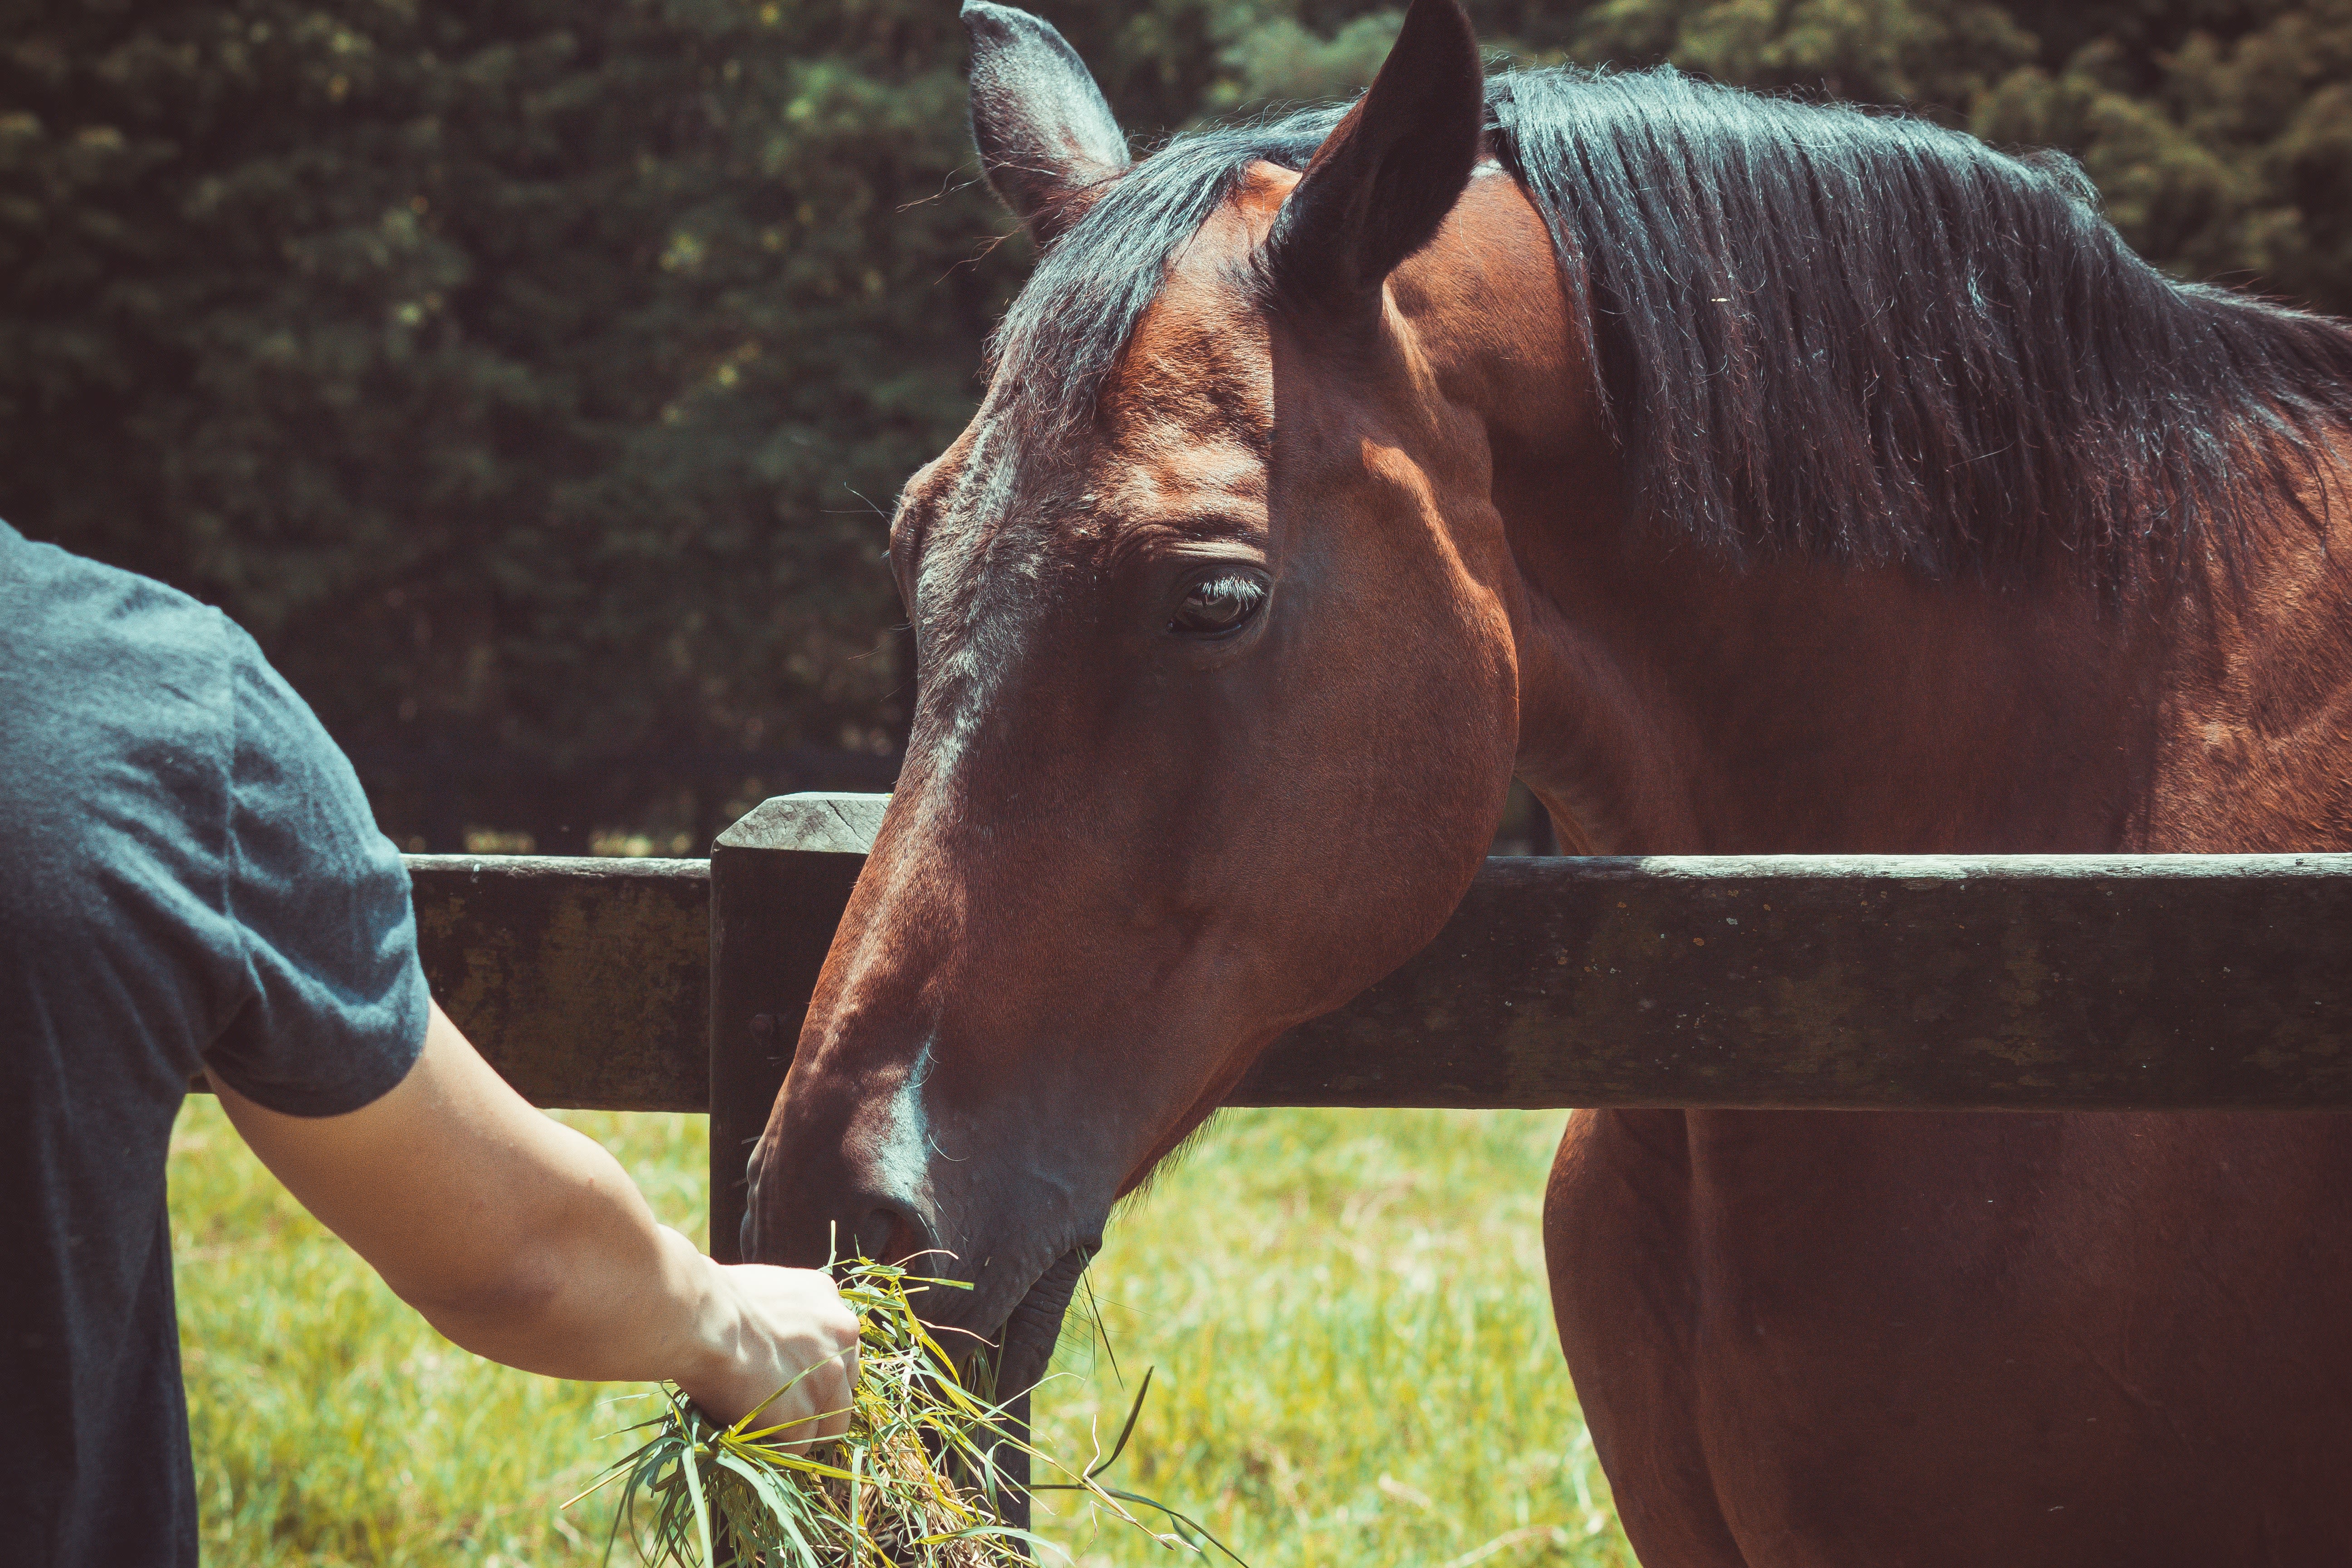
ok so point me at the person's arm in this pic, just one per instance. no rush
(525, 1242)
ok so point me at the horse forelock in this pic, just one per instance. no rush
(1856, 336)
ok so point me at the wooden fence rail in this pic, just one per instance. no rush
(585, 981)
(1998, 983)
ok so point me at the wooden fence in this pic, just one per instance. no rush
(1962, 983)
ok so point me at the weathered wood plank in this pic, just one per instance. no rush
(2059, 981)
(586, 982)
(1961, 982)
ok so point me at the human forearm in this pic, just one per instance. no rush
(525, 1242)
(582, 1283)
(732, 1338)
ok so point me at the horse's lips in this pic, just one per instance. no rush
(1035, 1325)
(1025, 1339)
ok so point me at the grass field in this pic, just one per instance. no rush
(1346, 1312)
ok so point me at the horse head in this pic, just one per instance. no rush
(1218, 700)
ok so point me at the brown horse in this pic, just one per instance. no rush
(1745, 477)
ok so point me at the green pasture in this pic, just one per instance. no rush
(1347, 1310)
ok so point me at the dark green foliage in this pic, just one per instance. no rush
(514, 370)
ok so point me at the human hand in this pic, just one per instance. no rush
(792, 1333)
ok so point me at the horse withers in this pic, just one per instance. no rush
(1746, 477)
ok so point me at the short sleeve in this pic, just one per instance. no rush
(336, 1003)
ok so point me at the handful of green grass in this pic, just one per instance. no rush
(912, 1483)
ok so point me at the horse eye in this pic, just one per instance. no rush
(1218, 603)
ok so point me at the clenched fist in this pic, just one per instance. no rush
(789, 1332)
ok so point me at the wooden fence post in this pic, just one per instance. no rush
(779, 880)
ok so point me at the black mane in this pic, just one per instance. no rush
(1861, 336)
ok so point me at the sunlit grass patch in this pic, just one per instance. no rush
(1356, 1358)
(331, 1425)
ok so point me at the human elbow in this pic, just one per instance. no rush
(496, 1312)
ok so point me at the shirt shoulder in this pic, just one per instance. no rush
(337, 1006)
(114, 770)
(202, 881)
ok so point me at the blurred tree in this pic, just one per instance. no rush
(514, 370)
(2224, 149)
(523, 373)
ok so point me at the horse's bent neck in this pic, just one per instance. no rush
(1673, 703)
(1674, 706)
(1670, 704)
(2254, 739)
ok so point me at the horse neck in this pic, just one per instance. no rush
(1674, 704)
(2254, 746)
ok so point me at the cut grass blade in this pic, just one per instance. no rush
(909, 1486)
(1186, 1526)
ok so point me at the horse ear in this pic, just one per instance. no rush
(1389, 173)
(1046, 138)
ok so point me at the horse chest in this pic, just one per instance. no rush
(1824, 1337)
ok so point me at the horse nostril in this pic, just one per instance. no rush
(889, 1233)
(875, 1233)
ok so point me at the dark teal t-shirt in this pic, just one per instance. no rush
(190, 879)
